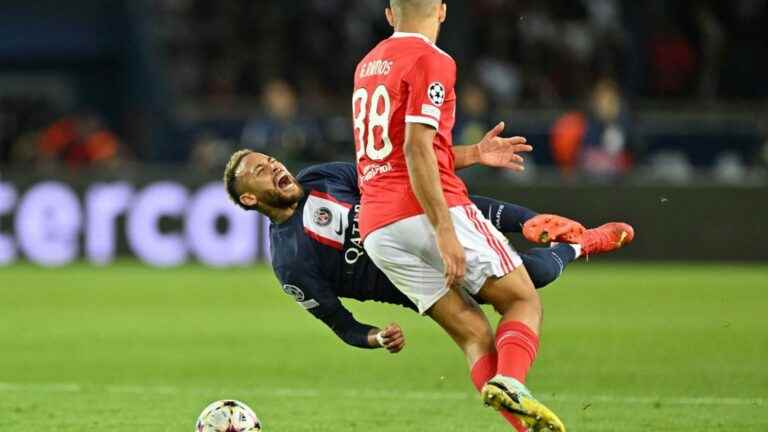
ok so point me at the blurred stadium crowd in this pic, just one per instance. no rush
(604, 88)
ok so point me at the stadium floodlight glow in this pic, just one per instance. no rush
(237, 245)
(143, 230)
(48, 222)
(104, 203)
(8, 198)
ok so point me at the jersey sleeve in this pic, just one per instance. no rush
(430, 82)
(313, 293)
(346, 172)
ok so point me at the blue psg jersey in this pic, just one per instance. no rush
(317, 254)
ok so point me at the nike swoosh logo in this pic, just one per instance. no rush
(340, 230)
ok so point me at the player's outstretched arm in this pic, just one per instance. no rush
(361, 335)
(493, 151)
(425, 181)
(315, 293)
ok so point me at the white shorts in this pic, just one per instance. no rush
(406, 251)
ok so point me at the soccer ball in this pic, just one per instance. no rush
(228, 416)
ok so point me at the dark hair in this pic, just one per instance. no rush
(230, 178)
(413, 5)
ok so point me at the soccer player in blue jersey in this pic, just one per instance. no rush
(318, 257)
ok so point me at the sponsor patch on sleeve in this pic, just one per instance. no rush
(431, 111)
(298, 295)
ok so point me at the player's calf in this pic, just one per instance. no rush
(465, 323)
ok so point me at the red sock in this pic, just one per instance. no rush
(483, 370)
(517, 345)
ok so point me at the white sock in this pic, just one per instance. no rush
(576, 248)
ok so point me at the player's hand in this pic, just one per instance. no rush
(452, 253)
(392, 338)
(495, 151)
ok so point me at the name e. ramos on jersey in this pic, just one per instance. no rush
(376, 67)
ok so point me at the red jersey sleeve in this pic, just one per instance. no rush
(430, 82)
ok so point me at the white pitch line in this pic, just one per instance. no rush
(368, 394)
(40, 387)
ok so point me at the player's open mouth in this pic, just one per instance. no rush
(284, 181)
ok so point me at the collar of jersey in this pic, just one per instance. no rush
(420, 36)
(406, 34)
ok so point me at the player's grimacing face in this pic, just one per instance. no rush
(268, 181)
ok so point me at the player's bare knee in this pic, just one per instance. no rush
(530, 302)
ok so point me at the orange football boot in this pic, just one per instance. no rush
(606, 238)
(546, 228)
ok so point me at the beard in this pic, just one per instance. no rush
(277, 200)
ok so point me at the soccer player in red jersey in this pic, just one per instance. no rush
(418, 223)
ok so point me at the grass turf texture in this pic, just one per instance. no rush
(124, 348)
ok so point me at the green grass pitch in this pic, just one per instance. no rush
(632, 347)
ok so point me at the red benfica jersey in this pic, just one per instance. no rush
(404, 79)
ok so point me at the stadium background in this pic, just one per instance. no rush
(117, 116)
